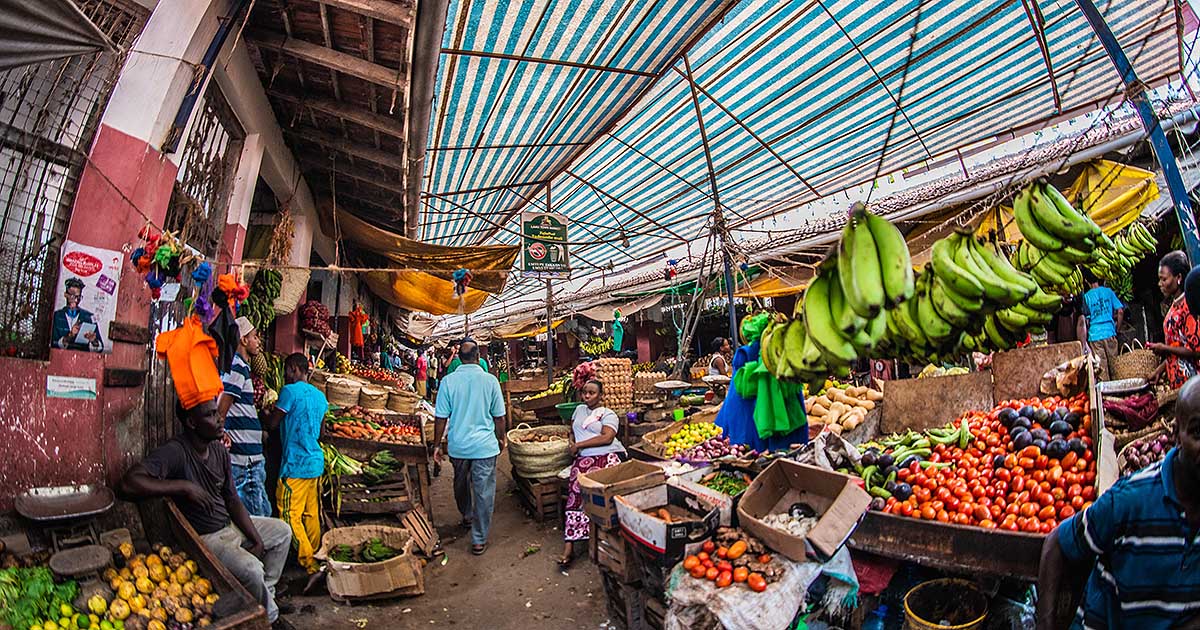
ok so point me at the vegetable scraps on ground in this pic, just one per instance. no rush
(1024, 466)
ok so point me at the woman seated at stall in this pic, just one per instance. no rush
(594, 446)
(1181, 330)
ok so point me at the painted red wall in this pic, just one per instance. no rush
(60, 441)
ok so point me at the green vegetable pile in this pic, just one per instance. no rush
(380, 466)
(29, 596)
(371, 551)
(725, 482)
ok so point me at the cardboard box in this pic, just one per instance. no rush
(400, 575)
(695, 520)
(727, 504)
(836, 498)
(599, 487)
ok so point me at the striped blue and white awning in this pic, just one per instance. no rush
(800, 99)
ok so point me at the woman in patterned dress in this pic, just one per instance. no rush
(1181, 331)
(595, 446)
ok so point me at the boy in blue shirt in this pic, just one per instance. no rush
(1104, 312)
(301, 409)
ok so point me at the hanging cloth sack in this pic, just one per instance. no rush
(191, 355)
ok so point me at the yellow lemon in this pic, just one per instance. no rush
(126, 591)
(144, 585)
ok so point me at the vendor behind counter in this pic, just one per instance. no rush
(760, 411)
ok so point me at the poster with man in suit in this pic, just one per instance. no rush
(87, 302)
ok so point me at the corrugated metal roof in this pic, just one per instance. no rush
(820, 82)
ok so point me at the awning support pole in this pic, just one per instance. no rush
(1136, 91)
(549, 335)
(718, 216)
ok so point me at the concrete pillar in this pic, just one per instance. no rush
(233, 239)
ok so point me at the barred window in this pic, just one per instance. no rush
(49, 113)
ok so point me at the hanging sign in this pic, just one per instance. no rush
(544, 245)
(87, 297)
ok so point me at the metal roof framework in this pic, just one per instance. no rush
(800, 99)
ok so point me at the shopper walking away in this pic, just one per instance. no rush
(1181, 330)
(458, 360)
(470, 413)
(594, 446)
(299, 412)
(243, 430)
(193, 468)
(1138, 541)
(422, 382)
(1105, 313)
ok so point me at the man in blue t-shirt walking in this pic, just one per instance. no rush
(1104, 313)
(243, 430)
(470, 401)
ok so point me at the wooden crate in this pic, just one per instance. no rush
(656, 613)
(415, 457)
(611, 551)
(542, 498)
(392, 495)
(626, 604)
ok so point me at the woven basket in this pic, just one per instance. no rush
(1123, 438)
(318, 379)
(292, 285)
(1166, 397)
(402, 402)
(1136, 362)
(375, 398)
(1159, 428)
(539, 459)
(342, 392)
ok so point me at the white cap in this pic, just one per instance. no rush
(244, 326)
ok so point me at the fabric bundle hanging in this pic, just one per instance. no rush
(190, 355)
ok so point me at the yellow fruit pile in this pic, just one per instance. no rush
(690, 436)
(71, 620)
(154, 589)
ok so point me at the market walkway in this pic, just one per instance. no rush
(499, 590)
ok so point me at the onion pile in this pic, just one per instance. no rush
(1146, 451)
(314, 316)
(710, 449)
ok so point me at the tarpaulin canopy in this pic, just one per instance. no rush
(800, 99)
(419, 275)
(778, 282)
(604, 312)
(521, 329)
(43, 30)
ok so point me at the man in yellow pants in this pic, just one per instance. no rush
(301, 408)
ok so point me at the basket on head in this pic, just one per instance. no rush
(375, 398)
(533, 459)
(292, 285)
(1136, 362)
(342, 392)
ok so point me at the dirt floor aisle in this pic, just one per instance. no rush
(500, 589)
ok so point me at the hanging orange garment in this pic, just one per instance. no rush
(191, 356)
(358, 317)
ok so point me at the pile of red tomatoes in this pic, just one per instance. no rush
(1030, 464)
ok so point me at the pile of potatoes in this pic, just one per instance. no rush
(842, 409)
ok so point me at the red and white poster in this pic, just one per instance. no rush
(86, 298)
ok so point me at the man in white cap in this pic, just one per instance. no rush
(242, 426)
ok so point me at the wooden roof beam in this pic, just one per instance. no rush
(328, 57)
(401, 13)
(337, 109)
(314, 164)
(330, 141)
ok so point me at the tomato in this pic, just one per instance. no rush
(708, 547)
(764, 559)
(906, 508)
(1045, 499)
(740, 574)
(927, 512)
(1089, 493)
(1031, 526)
(1087, 455)
(703, 555)
(982, 513)
(1038, 475)
(1046, 513)
(1058, 493)
(1028, 509)
(691, 562)
(966, 508)
(995, 511)
(903, 474)
(1066, 512)
(1026, 462)
(1012, 527)
(756, 582)
(722, 552)
(698, 571)
(987, 523)
(711, 573)
(724, 579)
(937, 505)
(943, 516)
(1017, 484)
(961, 519)
(992, 440)
(1029, 452)
(952, 504)
(1077, 502)
(942, 493)
(922, 494)
(1055, 474)
(707, 563)
(1074, 490)
(724, 567)
(1069, 460)
(1046, 528)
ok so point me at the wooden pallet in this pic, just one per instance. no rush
(542, 498)
(611, 551)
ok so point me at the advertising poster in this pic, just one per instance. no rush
(86, 299)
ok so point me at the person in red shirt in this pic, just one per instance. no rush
(422, 381)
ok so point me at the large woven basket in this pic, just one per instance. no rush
(539, 459)
(318, 379)
(1156, 429)
(1136, 362)
(342, 392)
(402, 401)
(292, 285)
(1122, 438)
(375, 398)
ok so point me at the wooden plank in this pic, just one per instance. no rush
(329, 58)
(356, 115)
(424, 536)
(331, 141)
(1018, 373)
(927, 403)
(402, 13)
(129, 333)
(122, 377)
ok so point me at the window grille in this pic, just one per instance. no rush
(49, 113)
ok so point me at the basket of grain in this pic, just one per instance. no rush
(539, 451)
(342, 391)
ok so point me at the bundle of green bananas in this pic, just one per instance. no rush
(1129, 248)
(259, 306)
(842, 314)
(1058, 238)
(595, 346)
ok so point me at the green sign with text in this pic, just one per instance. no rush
(544, 245)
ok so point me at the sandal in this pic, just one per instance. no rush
(565, 563)
(478, 549)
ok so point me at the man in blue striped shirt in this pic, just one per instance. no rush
(1141, 540)
(242, 425)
